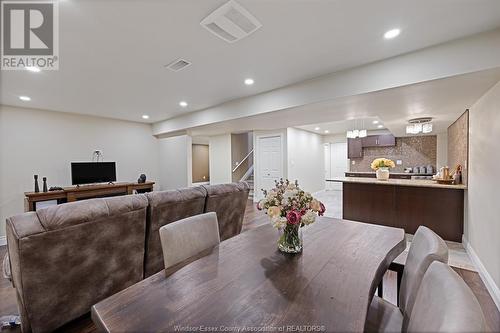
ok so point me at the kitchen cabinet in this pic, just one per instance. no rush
(354, 148)
(384, 140)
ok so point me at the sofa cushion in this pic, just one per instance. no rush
(166, 207)
(61, 272)
(60, 216)
(229, 202)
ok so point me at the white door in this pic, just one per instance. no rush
(339, 163)
(270, 161)
(327, 166)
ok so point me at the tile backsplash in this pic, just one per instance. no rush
(412, 151)
(458, 144)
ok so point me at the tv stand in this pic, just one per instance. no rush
(78, 192)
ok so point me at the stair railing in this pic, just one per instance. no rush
(247, 174)
(243, 160)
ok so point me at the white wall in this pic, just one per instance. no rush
(482, 227)
(334, 138)
(442, 150)
(175, 162)
(45, 142)
(220, 159)
(306, 159)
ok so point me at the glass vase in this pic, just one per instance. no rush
(290, 240)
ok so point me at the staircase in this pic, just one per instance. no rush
(251, 185)
(248, 176)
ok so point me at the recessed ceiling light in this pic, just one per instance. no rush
(249, 82)
(392, 33)
(33, 69)
(25, 98)
(183, 104)
(145, 116)
(380, 126)
(327, 131)
(375, 122)
(317, 128)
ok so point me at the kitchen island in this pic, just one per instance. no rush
(405, 203)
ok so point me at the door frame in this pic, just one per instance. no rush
(256, 161)
(338, 186)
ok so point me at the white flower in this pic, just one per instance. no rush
(271, 195)
(315, 205)
(309, 217)
(261, 204)
(278, 222)
(274, 211)
(289, 194)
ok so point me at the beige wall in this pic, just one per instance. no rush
(458, 144)
(45, 143)
(482, 227)
(241, 145)
(413, 151)
(201, 170)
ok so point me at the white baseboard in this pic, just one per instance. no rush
(3, 240)
(483, 273)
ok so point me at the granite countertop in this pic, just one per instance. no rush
(392, 173)
(397, 182)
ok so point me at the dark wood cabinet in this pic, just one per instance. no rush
(354, 148)
(407, 207)
(370, 141)
(384, 140)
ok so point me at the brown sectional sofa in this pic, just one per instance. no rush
(68, 257)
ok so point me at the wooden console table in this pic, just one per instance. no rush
(74, 193)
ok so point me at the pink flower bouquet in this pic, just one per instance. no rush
(289, 209)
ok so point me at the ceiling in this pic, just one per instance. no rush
(342, 126)
(443, 99)
(113, 52)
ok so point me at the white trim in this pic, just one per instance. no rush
(483, 273)
(3, 240)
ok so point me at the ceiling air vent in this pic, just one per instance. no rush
(231, 22)
(178, 64)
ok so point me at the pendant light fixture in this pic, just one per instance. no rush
(419, 125)
(355, 133)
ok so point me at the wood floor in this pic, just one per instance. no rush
(254, 218)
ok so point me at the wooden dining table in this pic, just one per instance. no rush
(246, 284)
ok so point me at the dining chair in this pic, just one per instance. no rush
(425, 248)
(188, 237)
(444, 303)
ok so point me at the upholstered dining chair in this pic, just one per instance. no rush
(445, 304)
(188, 237)
(425, 248)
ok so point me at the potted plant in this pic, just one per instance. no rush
(290, 208)
(381, 167)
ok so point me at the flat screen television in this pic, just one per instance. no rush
(92, 172)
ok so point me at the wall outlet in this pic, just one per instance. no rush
(353, 162)
(399, 162)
